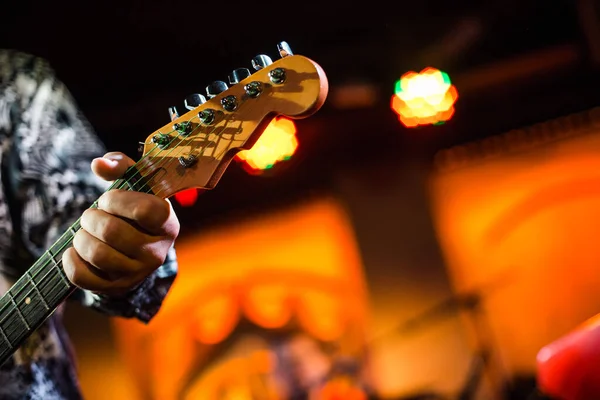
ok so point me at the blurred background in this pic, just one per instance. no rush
(423, 235)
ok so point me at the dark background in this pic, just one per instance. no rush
(126, 62)
(515, 63)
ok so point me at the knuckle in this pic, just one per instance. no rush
(87, 216)
(77, 278)
(108, 230)
(154, 258)
(142, 209)
(97, 254)
(152, 210)
(105, 199)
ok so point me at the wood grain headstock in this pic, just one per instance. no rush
(194, 149)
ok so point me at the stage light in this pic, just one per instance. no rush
(187, 198)
(277, 143)
(424, 98)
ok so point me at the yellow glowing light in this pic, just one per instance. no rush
(277, 143)
(424, 98)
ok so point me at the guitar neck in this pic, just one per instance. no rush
(44, 286)
(192, 151)
(34, 297)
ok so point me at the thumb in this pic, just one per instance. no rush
(111, 166)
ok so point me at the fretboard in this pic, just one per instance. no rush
(44, 286)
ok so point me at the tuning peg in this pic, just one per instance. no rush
(215, 88)
(284, 49)
(238, 75)
(173, 113)
(261, 61)
(194, 100)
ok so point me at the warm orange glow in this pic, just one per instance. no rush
(424, 98)
(321, 314)
(277, 143)
(268, 306)
(250, 270)
(530, 216)
(341, 389)
(214, 319)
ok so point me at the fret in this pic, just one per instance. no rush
(11, 324)
(5, 350)
(19, 313)
(4, 337)
(58, 266)
(27, 301)
(76, 226)
(37, 290)
(30, 301)
(62, 243)
(49, 279)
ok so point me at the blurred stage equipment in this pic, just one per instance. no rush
(537, 212)
(271, 298)
(483, 363)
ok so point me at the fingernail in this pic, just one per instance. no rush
(111, 161)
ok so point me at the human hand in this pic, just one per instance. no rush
(122, 241)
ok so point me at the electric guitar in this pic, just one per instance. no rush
(192, 151)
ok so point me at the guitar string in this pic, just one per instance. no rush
(188, 137)
(119, 182)
(53, 263)
(30, 277)
(123, 184)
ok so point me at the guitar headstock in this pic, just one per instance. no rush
(194, 149)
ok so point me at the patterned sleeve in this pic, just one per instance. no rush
(51, 178)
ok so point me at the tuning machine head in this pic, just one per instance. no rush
(261, 61)
(238, 75)
(215, 88)
(284, 49)
(194, 100)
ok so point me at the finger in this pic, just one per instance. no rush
(150, 212)
(115, 232)
(109, 262)
(111, 166)
(81, 274)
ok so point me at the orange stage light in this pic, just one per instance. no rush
(425, 98)
(277, 143)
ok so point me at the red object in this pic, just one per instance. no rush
(187, 198)
(569, 368)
